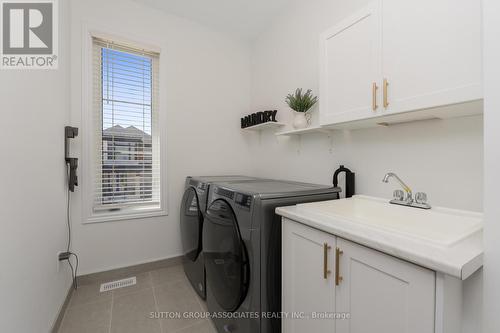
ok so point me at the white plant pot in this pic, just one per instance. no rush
(300, 120)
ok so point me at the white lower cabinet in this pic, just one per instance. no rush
(382, 293)
(374, 292)
(308, 284)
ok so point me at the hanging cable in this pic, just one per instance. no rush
(74, 270)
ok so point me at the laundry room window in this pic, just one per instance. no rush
(126, 164)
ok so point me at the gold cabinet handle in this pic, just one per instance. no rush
(386, 99)
(374, 96)
(338, 277)
(325, 260)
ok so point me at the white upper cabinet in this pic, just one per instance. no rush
(431, 52)
(418, 55)
(350, 66)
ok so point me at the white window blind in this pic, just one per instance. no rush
(127, 152)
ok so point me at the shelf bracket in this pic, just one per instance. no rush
(330, 138)
(299, 144)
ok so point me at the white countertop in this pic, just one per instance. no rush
(444, 240)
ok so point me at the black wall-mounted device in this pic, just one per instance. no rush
(349, 180)
(70, 133)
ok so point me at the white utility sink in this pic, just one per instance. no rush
(440, 226)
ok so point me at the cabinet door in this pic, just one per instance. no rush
(383, 294)
(350, 55)
(307, 252)
(431, 52)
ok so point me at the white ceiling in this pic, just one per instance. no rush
(246, 18)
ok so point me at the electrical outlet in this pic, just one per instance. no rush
(59, 263)
(62, 256)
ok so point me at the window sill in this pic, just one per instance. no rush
(126, 214)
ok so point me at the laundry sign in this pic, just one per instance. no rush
(258, 118)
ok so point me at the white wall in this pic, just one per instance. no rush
(492, 166)
(442, 157)
(34, 109)
(207, 88)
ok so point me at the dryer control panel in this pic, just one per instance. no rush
(243, 200)
(240, 199)
(225, 193)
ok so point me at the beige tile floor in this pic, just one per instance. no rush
(129, 309)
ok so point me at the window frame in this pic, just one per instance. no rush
(89, 128)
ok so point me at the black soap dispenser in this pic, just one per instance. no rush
(349, 180)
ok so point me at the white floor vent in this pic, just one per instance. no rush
(118, 284)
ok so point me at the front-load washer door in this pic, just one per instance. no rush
(226, 260)
(191, 224)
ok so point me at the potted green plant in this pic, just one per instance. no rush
(301, 104)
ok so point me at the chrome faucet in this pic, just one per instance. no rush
(399, 197)
(409, 195)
